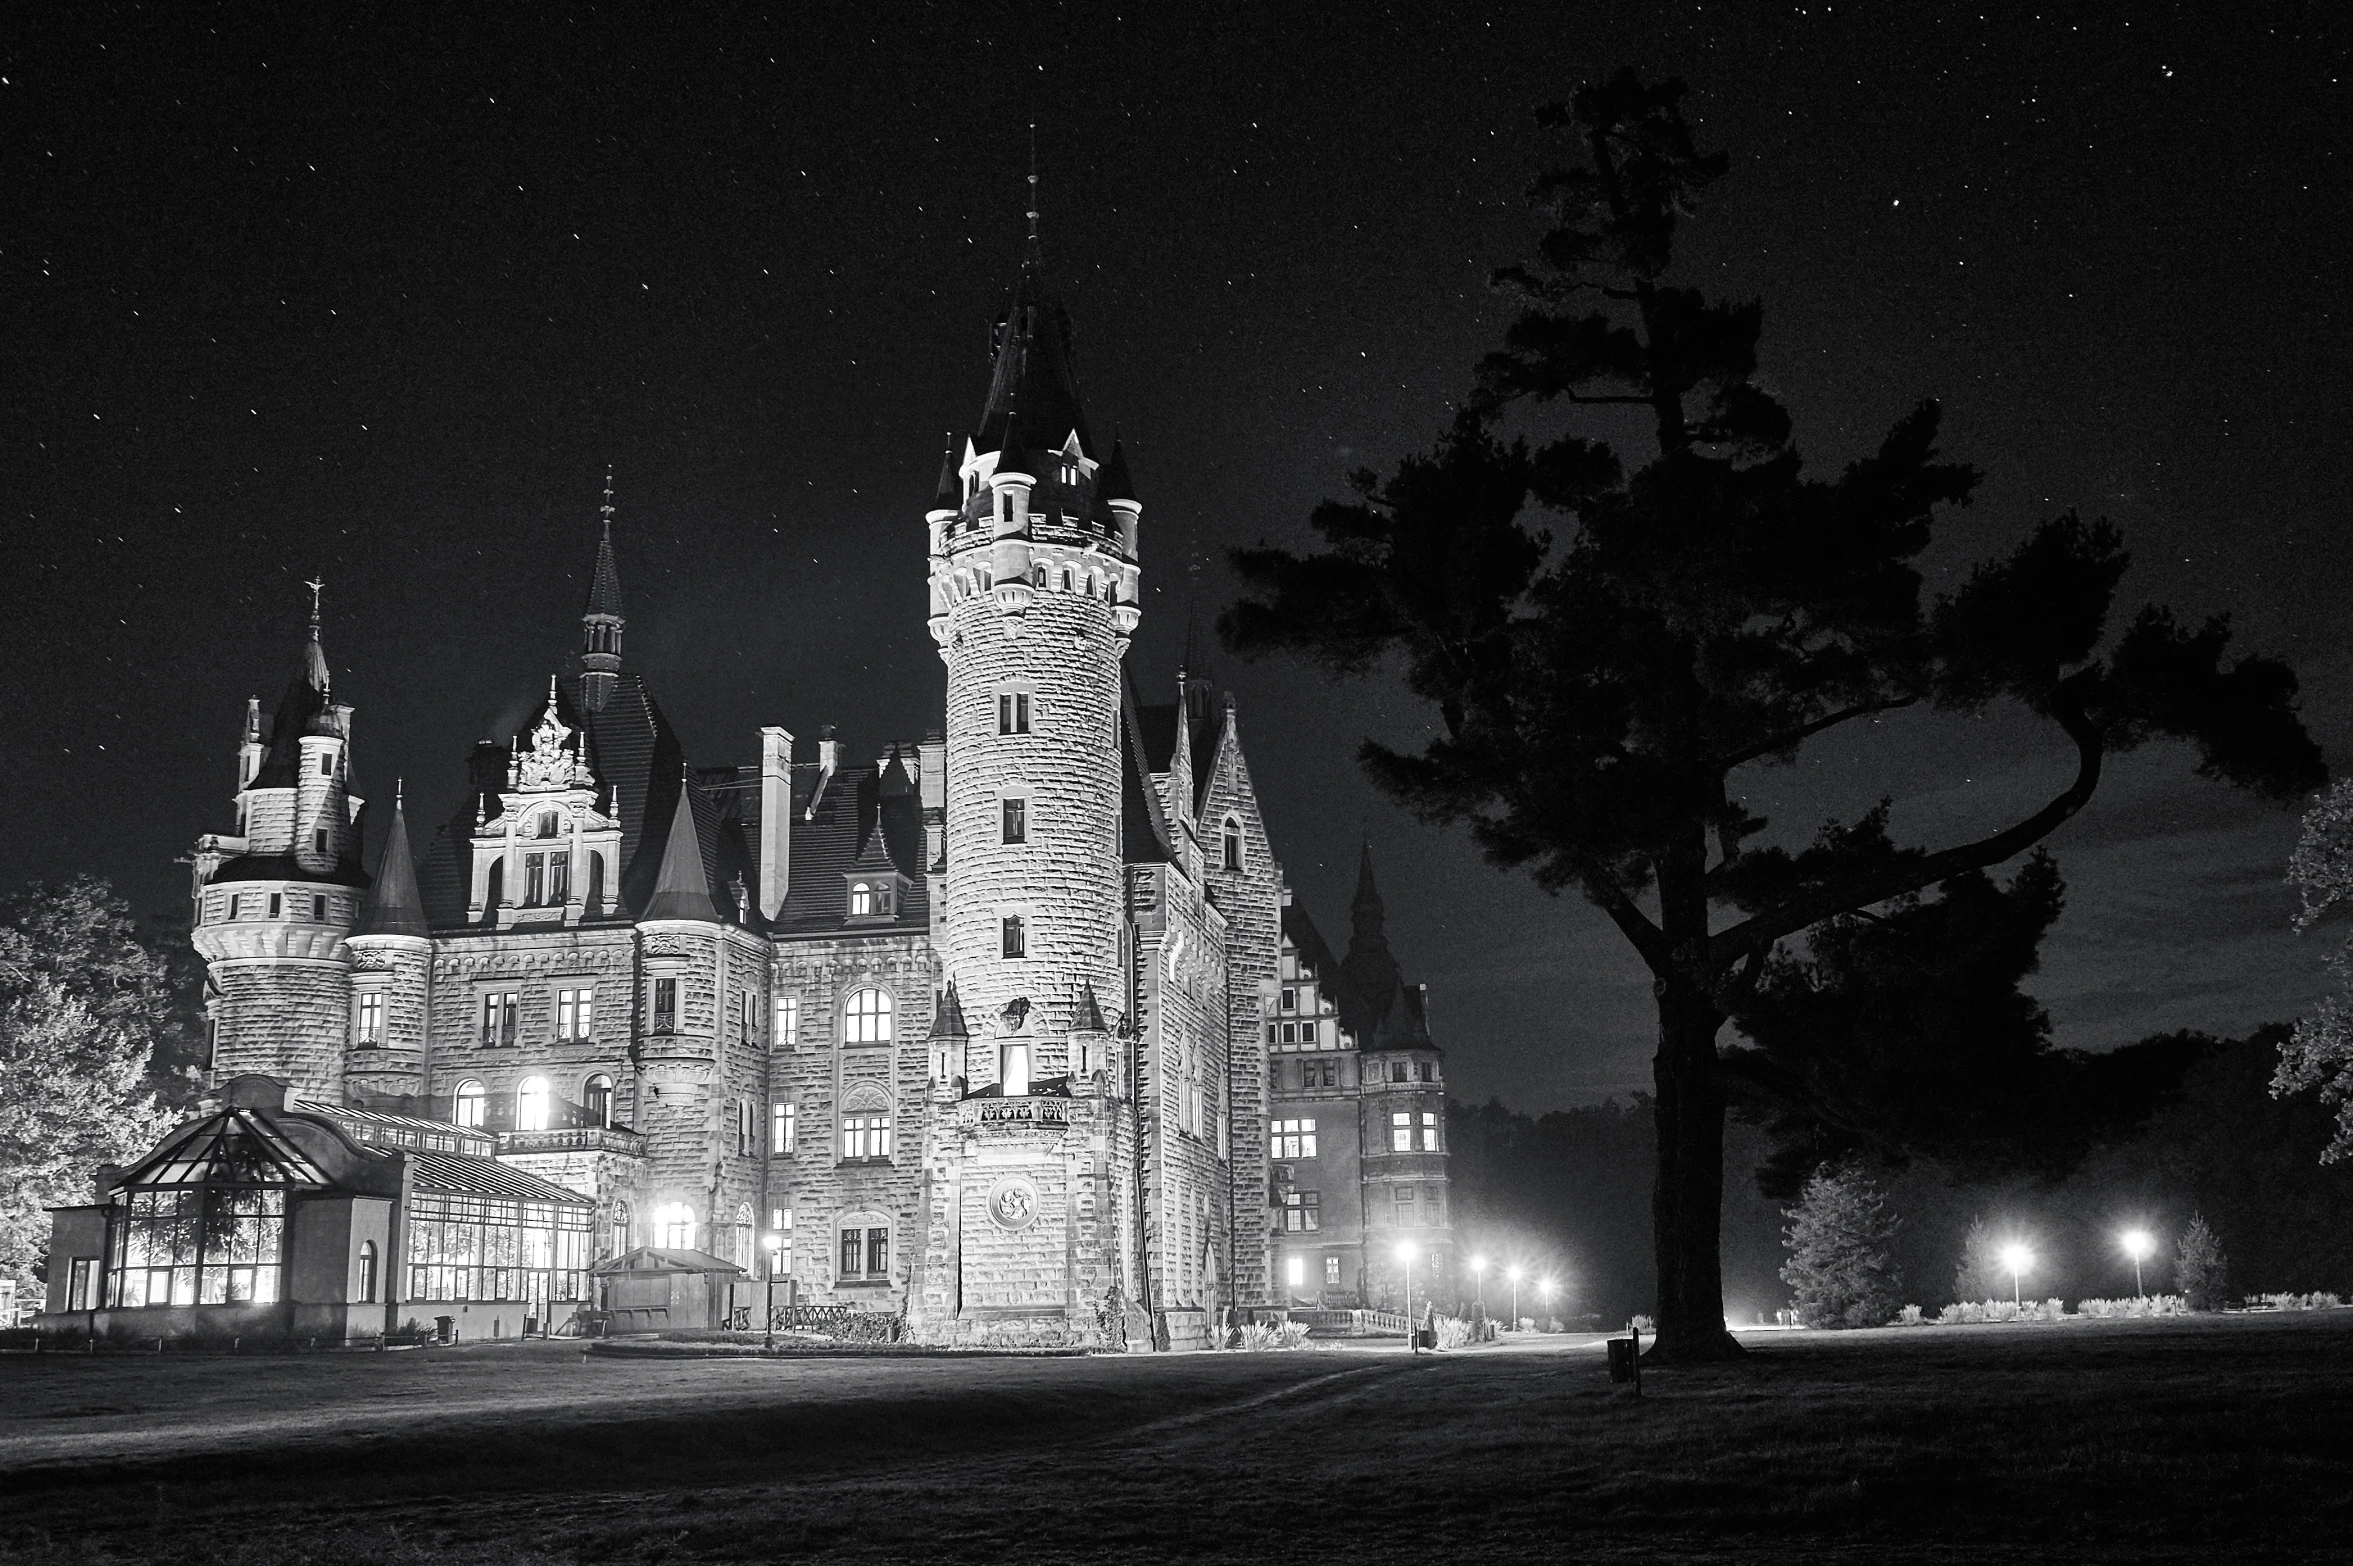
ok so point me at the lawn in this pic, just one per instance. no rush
(2205, 1439)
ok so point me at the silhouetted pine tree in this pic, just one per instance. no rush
(1713, 609)
(1840, 1271)
(2201, 1272)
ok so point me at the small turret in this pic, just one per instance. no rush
(392, 953)
(682, 890)
(601, 622)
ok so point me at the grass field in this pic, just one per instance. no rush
(2217, 1439)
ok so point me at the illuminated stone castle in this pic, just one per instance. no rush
(978, 1027)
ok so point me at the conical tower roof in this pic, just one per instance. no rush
(1033, 370)
(682, 890)
(947, 1019)
(604, 588)
(1113, 483)
(394, 906)
(949, 493)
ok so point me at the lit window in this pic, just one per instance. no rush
(1294, 1139)
(1295, 1271)
(371, 1017)
(866, 1136)
(1331, 1272)
(596, 1096)
(501, 1016)
(1302, 1212)
(1013, 1069)
(1429, 1131)
(1016, 820)
(469, 1104)
(780, 1255)
(861, 900)
(531, 1105)
(674, 1226)
(367, 1272)
(783, 1128)
(203, 1245)
(788, 1022)
(1401, 1132)
(1016, 936)
(743, 1149)
(575, 1015)
(1069, 469)
(867, 1017)
(665, 1005)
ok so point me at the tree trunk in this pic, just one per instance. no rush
(1687, 1201)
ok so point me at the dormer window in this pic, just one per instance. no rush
(869, 900)
(548, 825)
(1069, 470)
(326, 765)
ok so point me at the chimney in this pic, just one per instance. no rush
(776, 808)
(829, 756)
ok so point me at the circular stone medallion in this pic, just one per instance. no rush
(1013, 1202)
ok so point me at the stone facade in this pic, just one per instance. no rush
(976, 1031)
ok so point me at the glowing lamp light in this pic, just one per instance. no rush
(2020, 1261)
(1407, 1250)
(2138, 1243)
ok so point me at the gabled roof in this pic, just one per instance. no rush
(650, 1258)
(462, 1175)
(394, 906)
(947, 1018)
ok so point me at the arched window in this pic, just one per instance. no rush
(469, 1104)
(620, 1227)
(531, 1103)
(367, 1272)
(743, 1236)
(1233, 844)
(861, 900)
(867, 1018)
(865, 1123)
(596, 1096)
(549, 824)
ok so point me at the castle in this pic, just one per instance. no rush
(1008, 1030)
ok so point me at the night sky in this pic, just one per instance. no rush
(337, 292)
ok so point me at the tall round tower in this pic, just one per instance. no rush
(276, 900)
(1033, 597)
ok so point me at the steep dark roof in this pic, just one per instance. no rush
(298, 710)
(604, 588)
(1156, 727)
(1032, 371)
(865, 821)
(947, 1018)
(637, 758)
(682, 890)
(1143, 826)
(949, 494)
(394, 906)
(284, 867)
(1086, 1016)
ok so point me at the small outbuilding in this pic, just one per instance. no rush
(653, 1289)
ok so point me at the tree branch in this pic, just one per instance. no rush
(1761, 930)
(1805, 731)
(1647, 938)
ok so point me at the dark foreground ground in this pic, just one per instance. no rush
(2221, 1440)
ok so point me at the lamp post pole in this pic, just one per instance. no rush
(1514, 1275)
(2137, 1244)
(1413, 1337)
(775, 1244)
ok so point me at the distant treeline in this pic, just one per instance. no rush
(1567, 1194)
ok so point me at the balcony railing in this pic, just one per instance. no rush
(1013, 1112)
(574, 1139)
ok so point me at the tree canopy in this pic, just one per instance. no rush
(1605, 644)
(85, 1008)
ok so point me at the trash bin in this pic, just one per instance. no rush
(1622, 1352)
(1425, 1337)
(445, 1329)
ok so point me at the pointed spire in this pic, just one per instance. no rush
(682, 890)
(602, 621)
(1032, 368)
(1087, 1016)
(394, 906)
(948, 495)
(1366, 905)
(1113, 482)
(947, 1018)
(314, 656)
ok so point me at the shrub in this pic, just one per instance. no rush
(1840, 1268)
(1909, 1316)
(1453, 1332)
(1261, 1337)
(2147, 1305)
(2200, 1270)
(2300, 1301)
(1973, 1311)
(1980, 1274)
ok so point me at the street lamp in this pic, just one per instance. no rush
(1413, 1337)
(1479, 1279)
(2138, 1244)
(2019, 1260)
(1513, 1273)
(774, 1241)
(1546, 1288)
